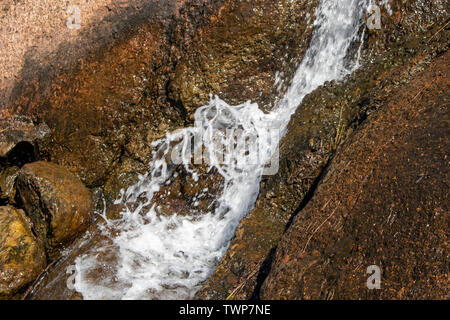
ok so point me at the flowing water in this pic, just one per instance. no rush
(168, 257)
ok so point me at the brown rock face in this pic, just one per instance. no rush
(146, 67)
(22, 257)
(406, 19)
(20, 140)
(58, 204)
(101, 104)
(237, 54)
(152, 64)
(105, 89)
(7, 180)
(57, 284)
(383, 201)
(392, 56)
(121, 97)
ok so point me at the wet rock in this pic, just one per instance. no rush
(108, 95)
(383, 202)
(20, 140)
(126, 174)
(109, 87)
(58, 204)
(7, 180)
(322, 123)
(22, 257)
(186, 195)
(152, 76)
(182, 194)
(238, 53)
(119, 92)
(404, 19)
(236, 276)
(58, 284)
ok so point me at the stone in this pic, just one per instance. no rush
(382, 202)
(240, 52)
(7, 181)
(102, 89)
(59, 205)
(117, 100)
(22, 256)
(319, 126)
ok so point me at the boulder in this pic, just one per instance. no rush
(22, 256)
(59, 205)
(321, 123)
(150, 79)
(20, 142)
(110, 90)
(383, 202)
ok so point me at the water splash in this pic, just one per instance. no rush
(168, 257)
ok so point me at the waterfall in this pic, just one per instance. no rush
(168, 257)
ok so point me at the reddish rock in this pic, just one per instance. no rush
(108, 104)
(392, 56)
(238, 54)
(383, 202)
(20, 140)
(106, 88)
(58, 204)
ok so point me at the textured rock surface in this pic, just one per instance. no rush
(383, 201)
(404, 19)
(238, 54)
(58, 283)
(7, 180)
(20, 142)
(162, 60)
(19, 135)
(118, 99)
(22, 257)
(58, 204)
(36, 36)
(109, 96)
(393, 55)
(119, 94)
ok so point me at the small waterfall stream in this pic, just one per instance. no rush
(168, 257)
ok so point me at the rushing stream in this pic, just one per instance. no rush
(168, 257)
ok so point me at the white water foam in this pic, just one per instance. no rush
(168, 257)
